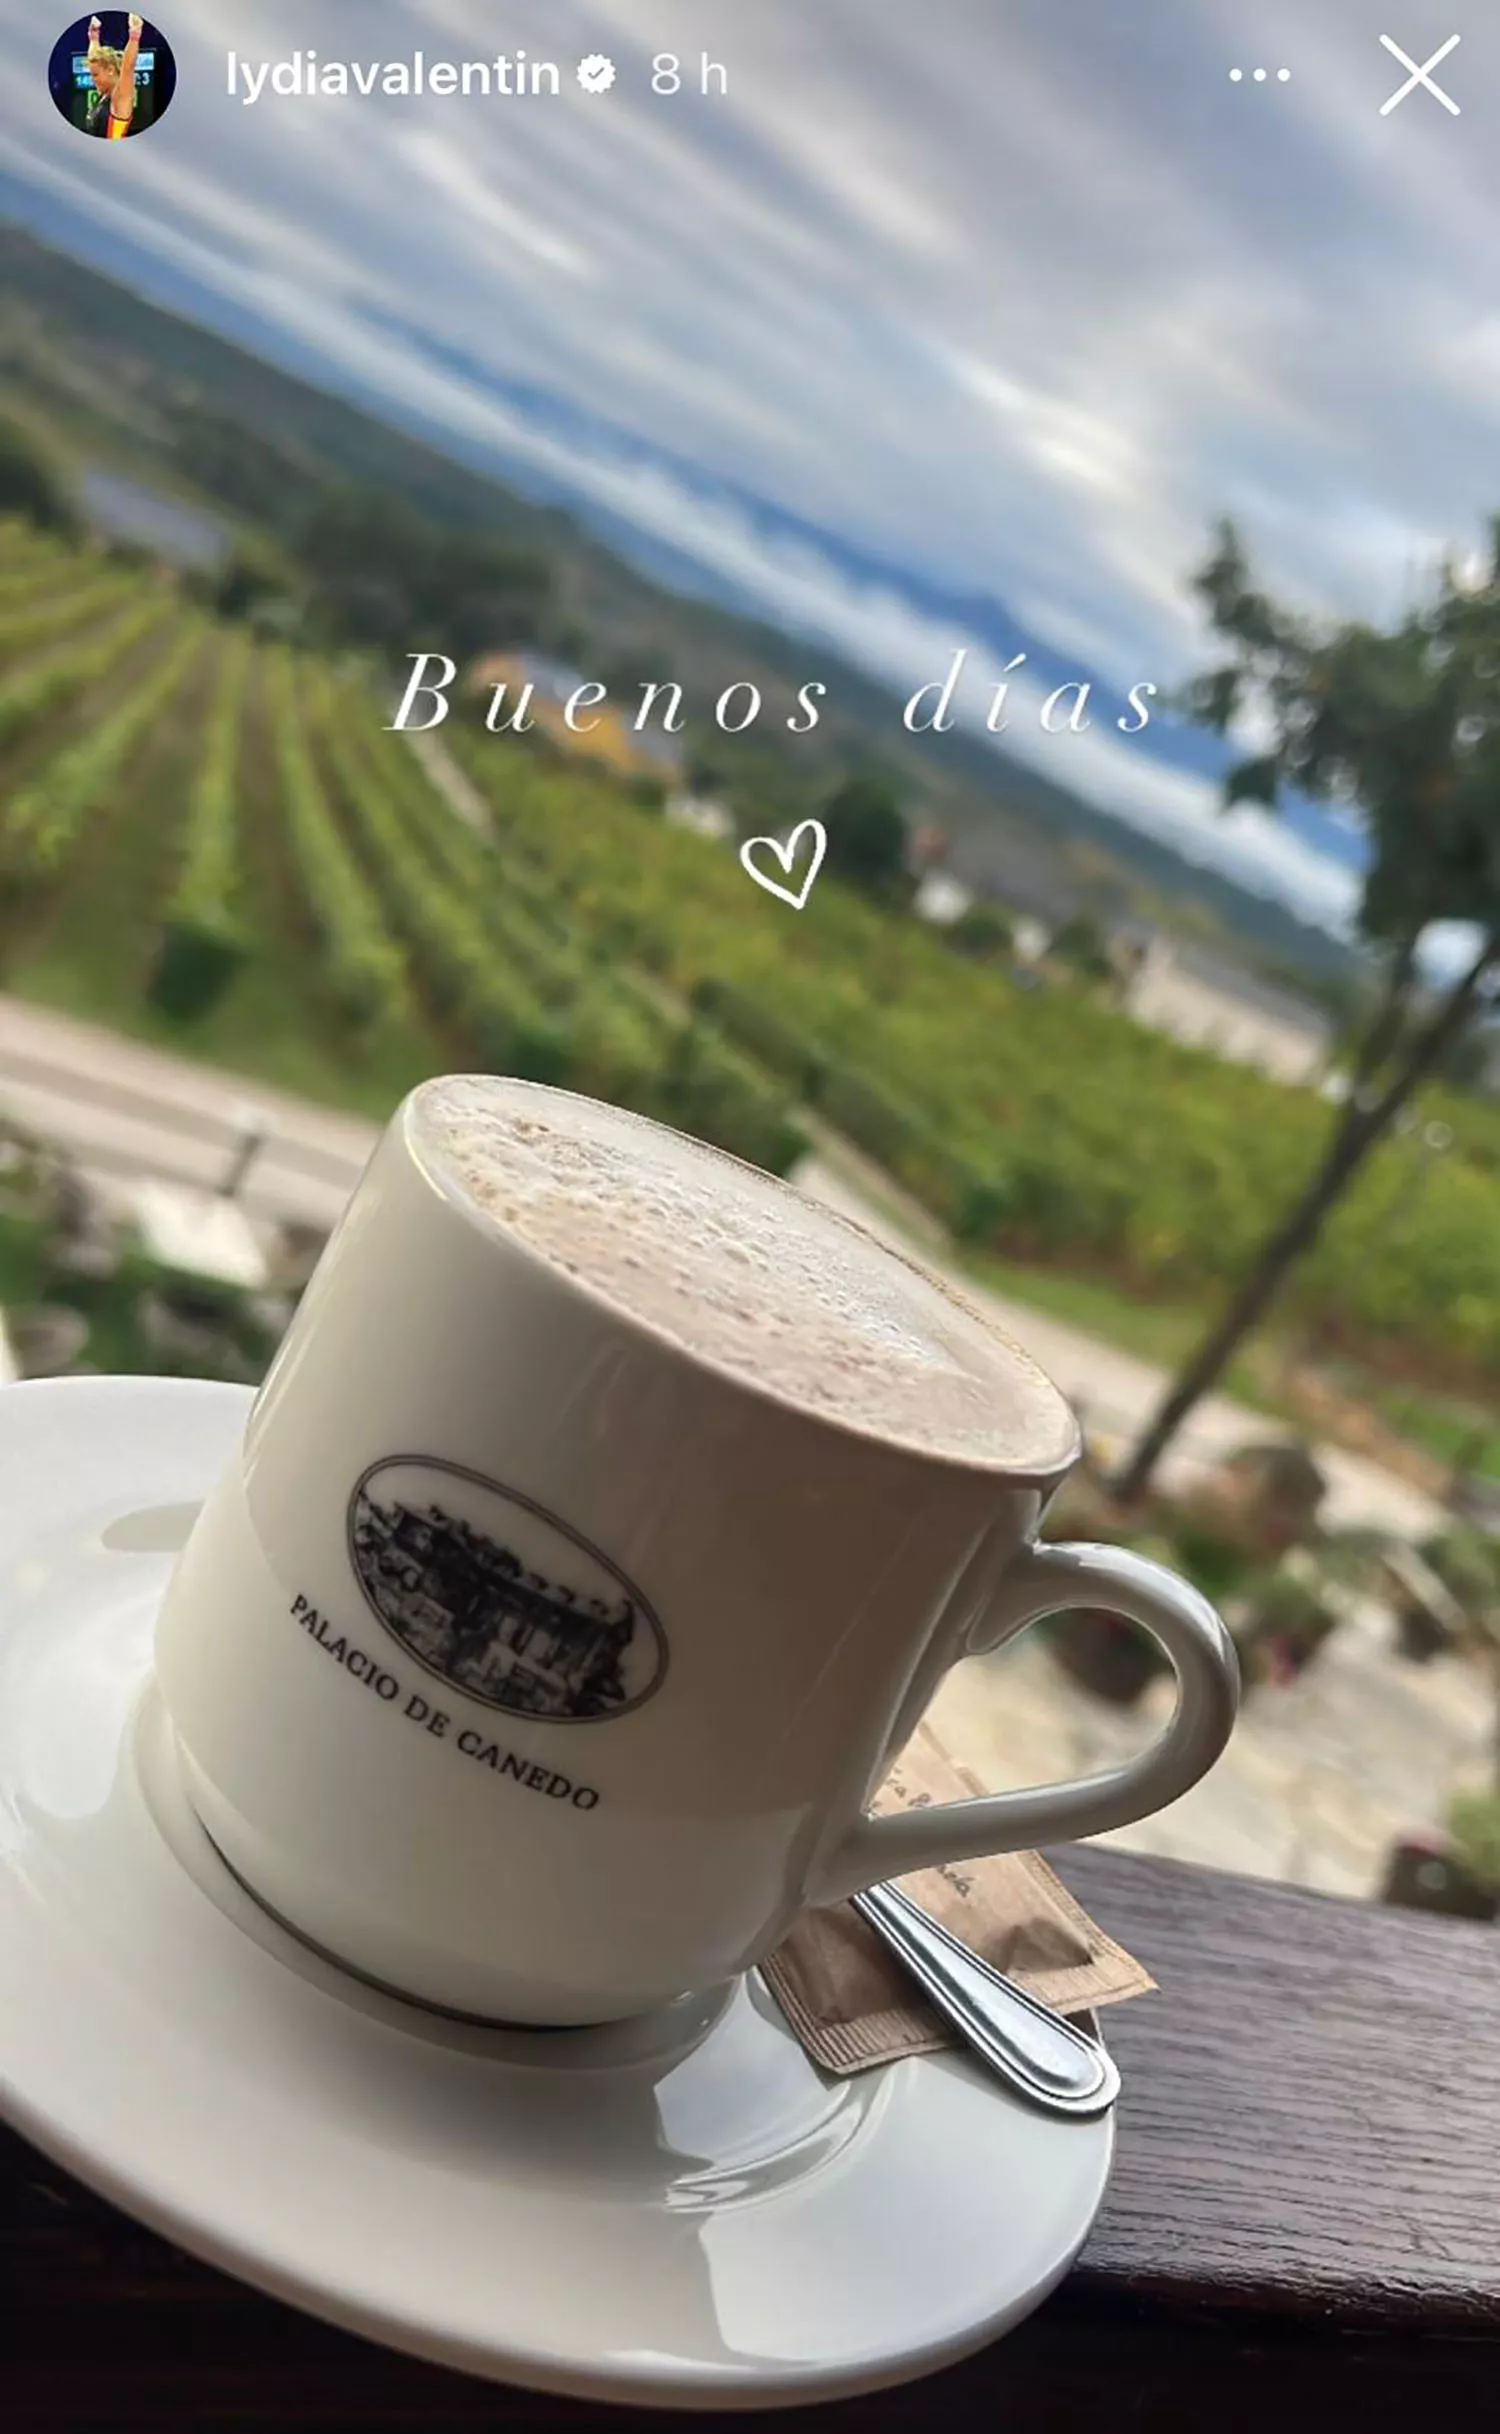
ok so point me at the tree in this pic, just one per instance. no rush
(384, 573)
(866, 834)
(255, 582)
(29, 484)
(1402, 726)
(1080, 943)
(983, 933)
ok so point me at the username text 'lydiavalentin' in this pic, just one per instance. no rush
(307, 76)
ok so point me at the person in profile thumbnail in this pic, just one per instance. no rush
(112, 75)
(111, 111)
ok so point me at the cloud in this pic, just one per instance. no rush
(1015, 301)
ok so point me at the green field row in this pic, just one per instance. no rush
(213, 841)
(1039, 1123)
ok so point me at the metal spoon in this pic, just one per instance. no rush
(1030, 2046)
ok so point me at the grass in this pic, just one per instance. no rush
(1165, 1333)
(1162, 1333)
(111, 1305)
(1158, 1332)
(1450, 1432)
(91, 955)
(21, 1260)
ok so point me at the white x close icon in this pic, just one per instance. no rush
(1421, 75)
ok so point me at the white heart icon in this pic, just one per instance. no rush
(786, 855)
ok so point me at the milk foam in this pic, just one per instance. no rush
(742, 1270)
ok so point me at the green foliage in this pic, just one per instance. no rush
(255, 584)
(30, 560)
(31, 693)
(866, 834)
(436, 908)
(1467, 1562)
(366, 968)
(1219, 1564)
(1289, 1602)
(497, 959)
(1400, 722)
(1400, 726)
(1080, 943)
(707, 1089)
(1039, 1124)
(1474, 1830)
(30, 485)
(762, 1033)
(42, 823)
(382, 572)
(35, 621)
(983, 933)
(203, 944)
(192, 970)
(205, 890)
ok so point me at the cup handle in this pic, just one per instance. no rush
(1048, 1579)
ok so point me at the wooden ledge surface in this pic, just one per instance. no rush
(1305, 2212)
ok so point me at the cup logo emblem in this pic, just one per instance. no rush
(498, 1597)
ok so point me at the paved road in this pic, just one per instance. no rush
(123, 1108)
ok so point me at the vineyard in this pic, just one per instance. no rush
(210, 840)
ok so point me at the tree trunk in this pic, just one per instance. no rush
(1355, 1135)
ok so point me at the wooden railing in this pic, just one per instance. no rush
(1303, 2228)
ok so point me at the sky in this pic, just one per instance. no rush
(978, 299)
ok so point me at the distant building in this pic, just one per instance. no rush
(1208, 1003)
(699, 816)
(1030, 939)
(941, 898)
(602, 733)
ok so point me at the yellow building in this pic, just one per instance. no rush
(603, 733)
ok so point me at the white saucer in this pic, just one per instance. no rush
(682, 2210)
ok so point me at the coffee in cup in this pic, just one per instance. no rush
(605, 1523)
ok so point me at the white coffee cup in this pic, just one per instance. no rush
(722, 1615)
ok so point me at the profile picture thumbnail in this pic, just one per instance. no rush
(112, 75)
